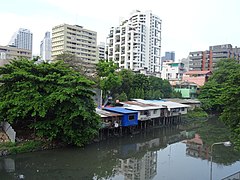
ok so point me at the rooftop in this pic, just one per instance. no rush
(104, 113)
(120, 110)
(197, 72)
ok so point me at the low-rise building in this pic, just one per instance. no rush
(145, 111)
(8, 53)
(129, 117)
(172, 70)
(197, 77)
(187, 89)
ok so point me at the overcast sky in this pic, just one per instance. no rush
(187, 25)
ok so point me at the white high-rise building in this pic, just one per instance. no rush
(46, 47)
(136, 43)
(22, 39)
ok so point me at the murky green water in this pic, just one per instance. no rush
(157, 154)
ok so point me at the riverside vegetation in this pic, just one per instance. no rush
(51, 103)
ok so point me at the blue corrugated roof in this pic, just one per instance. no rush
(120, 110)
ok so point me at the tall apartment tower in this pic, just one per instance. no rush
(22, 39)
(46, 47)
(101, 51)
(207, 60)
(76, 40)
(136, 43)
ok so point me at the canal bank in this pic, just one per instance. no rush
(107, 132)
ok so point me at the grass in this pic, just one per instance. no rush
(22, 147)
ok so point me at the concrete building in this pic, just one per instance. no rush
(197, 77)
(206, 60)
(187, 89)
(22, 39)
(76, 40)
(185, 61)
(136, 42)
(46, 47)
(144, 168)
(172, 71)
(8, 53)
(169, 55)
(101, 51)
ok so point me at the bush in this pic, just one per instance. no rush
(197, 113)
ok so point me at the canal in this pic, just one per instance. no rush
(161, 154)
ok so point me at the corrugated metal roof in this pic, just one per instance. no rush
(139, 108)
(197, 72)
(139, 105)
(120, 110)
(184, 101)
(168, 104)
(104, 113)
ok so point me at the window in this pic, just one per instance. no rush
(155, 111)
(131, 117)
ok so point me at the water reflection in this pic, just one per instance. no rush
(149, 155)
(7, 165)
(196, 148)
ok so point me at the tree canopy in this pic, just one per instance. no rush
(221, 94)
(124, 84)
(72, 61)
(51, 98)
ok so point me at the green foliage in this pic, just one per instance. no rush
(133, 85)
(110, 82)
(176, 94)
(104, 68)
(52, 98)
(127, 81)
(197, 113)
(27, 146)
(140, 81)
(122, 97)
(221, 94)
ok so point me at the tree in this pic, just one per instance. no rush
(166, 89)
(122, 97)
(127, 81)
(222, 94)
(51, 98)
(73, 61)
(104, 68)
(109, 79)
(140, 81)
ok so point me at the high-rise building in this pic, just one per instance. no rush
(76, 40)
(169, 55)
(8, 53)
(136, 43)
(22, 39)
(46, 47)
(206, 60)
(101, 51)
